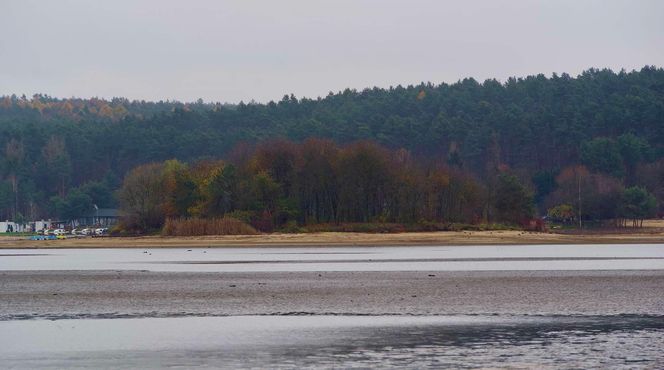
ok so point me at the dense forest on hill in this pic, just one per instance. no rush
(602, 130)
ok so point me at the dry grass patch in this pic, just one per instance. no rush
(207, 226)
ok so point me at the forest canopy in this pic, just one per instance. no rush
(534, 137)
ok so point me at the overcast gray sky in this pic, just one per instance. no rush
(241, 50)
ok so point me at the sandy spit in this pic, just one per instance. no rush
(343, 239)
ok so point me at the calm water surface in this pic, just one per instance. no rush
(336, 341)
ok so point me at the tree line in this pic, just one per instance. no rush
(62, 155)
(281, 184)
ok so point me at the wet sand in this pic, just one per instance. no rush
(117, 294)
(646, 235)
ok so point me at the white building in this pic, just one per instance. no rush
(9, 226)
(40, 225)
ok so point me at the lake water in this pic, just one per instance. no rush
(456, 341)
(461, 258)
(336, 341)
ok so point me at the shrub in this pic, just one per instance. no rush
(244, 216)
(292, 227)
(359, 227)
(210, 226)
(562, 213)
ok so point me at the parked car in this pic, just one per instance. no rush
(57, 232)
(101, 231)
(78, 232)
(85, 231)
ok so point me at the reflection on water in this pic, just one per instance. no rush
(337, 341)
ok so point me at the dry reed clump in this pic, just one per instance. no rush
(206, 226)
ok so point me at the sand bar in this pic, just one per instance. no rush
(647, 235)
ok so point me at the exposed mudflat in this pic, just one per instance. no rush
(101, 294)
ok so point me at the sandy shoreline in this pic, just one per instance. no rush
(647, 235)
(113, 294)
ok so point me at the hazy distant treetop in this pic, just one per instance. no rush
(603, 81)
